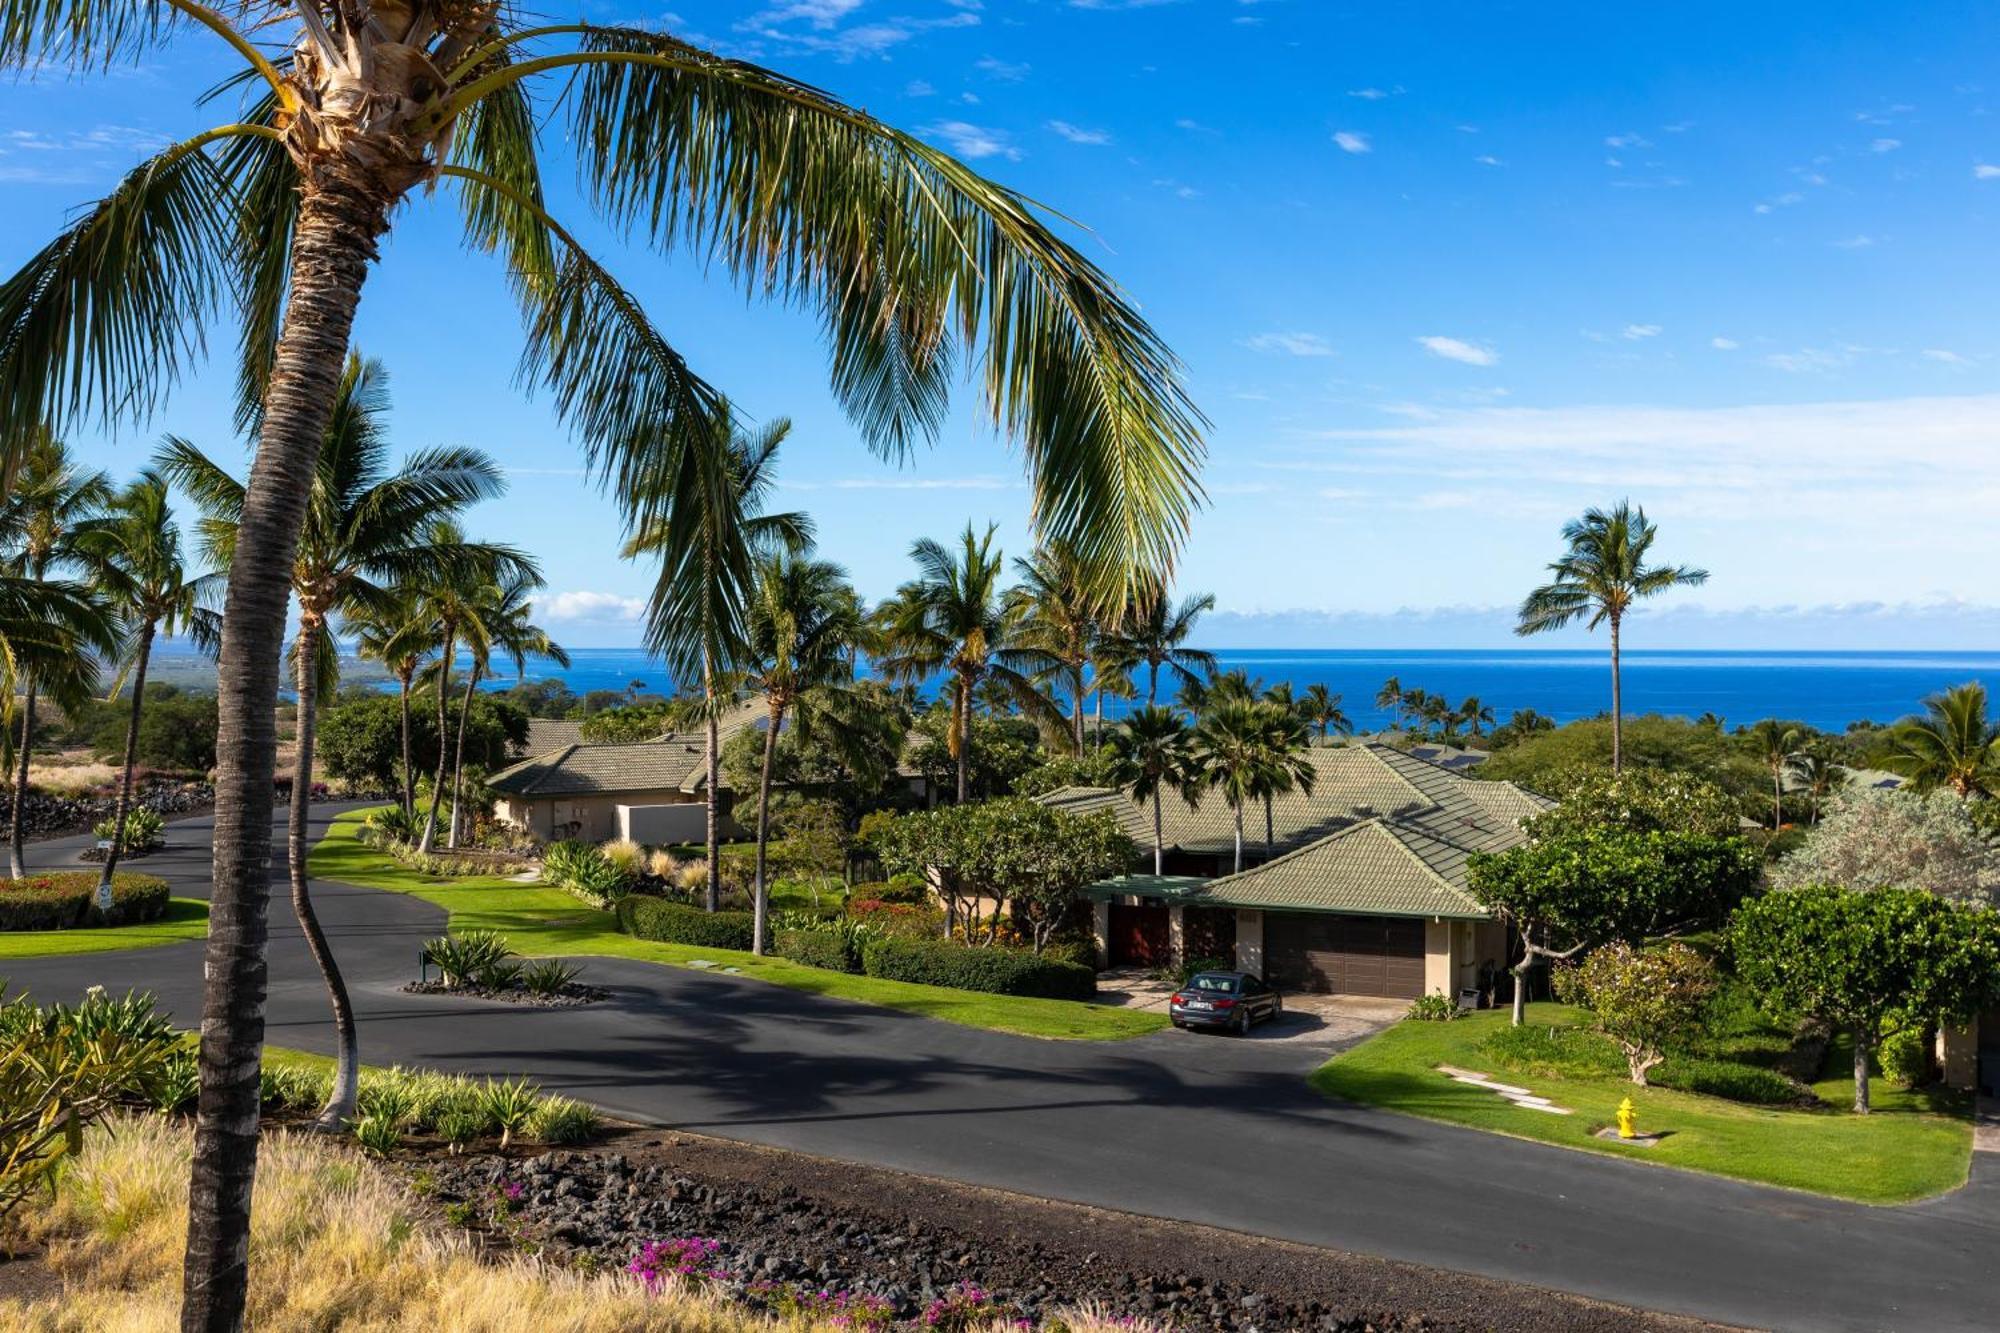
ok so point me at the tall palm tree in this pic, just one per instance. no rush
(52, 631)
(1600, 577)
(1156, 632)
(1110, 677)
(365, 528)
(498, 622)
(1474, 713)
(1817, 774)
(917, 265)
(1155, 750)
(1287, 765)
(1056, 624)
(1250, 750)
(51, 499)
(134, 555)
(1390, 698)
(805, 628)
(1321, 709)
(395, 633)
(1775, 744)
(1953, 745)
(708, 529)
(951, 619)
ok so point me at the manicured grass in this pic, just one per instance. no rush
(542, 921)
(185, 919)
(1906, 1150)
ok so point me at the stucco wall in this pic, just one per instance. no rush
(1250, 941)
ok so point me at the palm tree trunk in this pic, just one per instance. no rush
(1159, 838)
(1076, 710)
(964, 738)
(124, 805)
(341, 214)
(1153, 685)
(340, 1103)
(761, 908)
(712, 764)
(1268, 838)
(458, 757)
(1777, 800)
(16, 829)
(1239, 841)
(429, 835)
(409, 769)
(1617, 707)
(1098, 736)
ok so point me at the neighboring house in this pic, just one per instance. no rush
(1365, 892)
(548, 734)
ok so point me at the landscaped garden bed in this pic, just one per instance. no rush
(66, 900)
(479, 964)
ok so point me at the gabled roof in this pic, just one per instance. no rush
(1378, 868)
(600, 770)
(552, 733)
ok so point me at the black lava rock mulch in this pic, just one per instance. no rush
(569, 997)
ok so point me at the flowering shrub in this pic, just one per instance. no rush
(963, 1308)
(690, 1258)
(842, 1309)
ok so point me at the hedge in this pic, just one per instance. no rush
(650, 918)
(997, 971)
(63, 901)
(817, 948)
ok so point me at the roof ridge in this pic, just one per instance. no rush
(1395, 835)
(1296, 852)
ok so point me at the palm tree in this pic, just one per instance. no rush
(1321, 710)
(1953, 745)
(49, 502)
(708, 529)
(1156, 632)
(1817, 775)
(1601, 576)
(394, 632)
(1474, 714)
(497, 620)
(1775, 744)
(950, 619)
(134, 555)
(51, 631)
(1390, 698)
(916, 263)
(1287, 765)
(1110, 677)
(1054, 623)
(1155, 749)
(1253, 750)
(805, 628)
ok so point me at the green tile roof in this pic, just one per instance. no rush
(1171, 887)
(1378, 868)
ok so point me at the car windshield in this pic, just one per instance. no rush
(1216, 983)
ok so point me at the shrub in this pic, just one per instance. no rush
(1652, 1002)
(1560, 1052)
(1906, 1057)
(1081, 951)
(661, 865)
(625, 855)
(507, 1105)
(589, 872)
(562, 1120)
(468, 958)
(904, 888)
(830, 949)
(548, 976)
(649, 918)
(460, 1126)
(144, 829)
(1731, 1079)
(393, 823)
(377, 1135)
(998, 971)
(177, 1083)
(66, 899)
(1436, 1007)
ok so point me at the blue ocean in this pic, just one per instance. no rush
(1827, 690)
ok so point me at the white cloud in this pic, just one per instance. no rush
(1813, 360)
(1292, 344)
(1639, 332)
(1352, 141)
(1006, 71)
(1986, 171)
(908, 484)
(1456, 349)
(1488, 160)
(590, 606)
(1078, 134)
(1722, 344)
(1853, 242)
(819, 27)
(1884, 145)
(1946, 356)
(1622, 141)
(973, 142)
(918, 88)
(1367, 94)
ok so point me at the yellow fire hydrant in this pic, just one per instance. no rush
(1628, 1116)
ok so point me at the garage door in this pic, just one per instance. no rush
(1349, 955)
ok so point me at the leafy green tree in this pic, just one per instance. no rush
(1897, 840)
(919, 267)
(1097, 767)
(1639, 800)
(1859, 960)
(631, 724)
(1601, 576)
(1953, 745)
(177, 732)
(998, 752)
(1652, 1002)
(361, 736)
(1563, 895)
(1555, 760)
(549, 697)
(1156, 751)
(1156, 632)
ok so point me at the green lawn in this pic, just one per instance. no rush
(1907, 1150)
(185, 919)
(542, 921)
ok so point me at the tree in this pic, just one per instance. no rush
(951, 619)
(1652, 1002)
(395, 633)
(361, 736)
(804, 628)
(762, 176)
(1896, 839)
(1474, 714)
(1563, 895)
(1817, 775)
(1390, 698)
(1953, 745)
(1639, 800)
(1601, 576)
(1156, 632)
(1054, 624)
(708, 531)
(1156, 750)
(1322, 710)
(1250, 750)
(134, 553)
(497, 624)
(1775, 744)
(51, 499)
(1857, 960)
(1555, 760)
(1000, 752)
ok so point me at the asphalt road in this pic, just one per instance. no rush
(1214, 1130)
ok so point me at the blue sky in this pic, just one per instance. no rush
(1442, 275)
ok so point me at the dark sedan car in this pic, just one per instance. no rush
(1231, 1000)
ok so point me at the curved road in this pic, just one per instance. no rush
(1222, 1132)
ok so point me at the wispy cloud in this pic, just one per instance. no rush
(820, 27)
(1006, 71)
(1352, 141)
(1639, 332)
(1945, 356)
(1078, 133)
(1722, 344)
(1488, 160)
(1814, 360)
(1884, 145)
(973, 142)
(586, 605)
(1291, 344)
(1986, 171)
(1457, 349)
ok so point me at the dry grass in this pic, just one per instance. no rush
(65, 775)
(337, 1243)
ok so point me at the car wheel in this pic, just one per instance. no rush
(1177, 1023)
(1243, 1023)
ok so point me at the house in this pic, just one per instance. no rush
(1364, 891)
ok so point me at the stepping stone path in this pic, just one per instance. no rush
(1521, 1097)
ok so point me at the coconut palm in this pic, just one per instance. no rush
(1390, 698)
(1287, 765)
(1600, 577)
(1474, 713)
(497, 623)
(1816, 774)
(950, 619)
(134, 556)
(708, 529)
(1155, 750)
(1110, 677)
(394, 632)
(52, 632)
(1953, 745)
(1156, 632)
(1055, 624)
(805, 628)
(51, 498)
(916, 264)
(1321, 709)
(1251, 750)
(1776, 744)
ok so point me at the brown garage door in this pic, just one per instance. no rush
(1350, 955)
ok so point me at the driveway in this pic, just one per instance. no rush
(1220, 1131)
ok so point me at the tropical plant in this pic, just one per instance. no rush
(1391, 698)
(1954, 745)
(707, 527)
(1872, 839)
(1156, 751)
(1321, 710)
(1817, 774)
(1055, 625)
(549, 976)
(950, 619)
(1251, 750)
(1155, 631)
(394, 633)
(1599, 579)
(138, 829)
(134, 555)
(467, 957)
(1472, 714)
(496, 623)
(1652, 1002)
